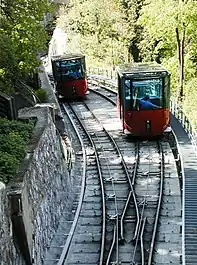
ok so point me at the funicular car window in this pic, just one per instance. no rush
(72, 69)
(150, 88)
(127, 84)
(58, 71)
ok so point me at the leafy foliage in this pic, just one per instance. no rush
(109, 32)
(22, 38)
(137, 30)
(169, 36)
(24, 128)
(160, 20)
(189, 102)
(13, 144)
(131, 11)
(91, 30)
(8, 166)
(14, 136)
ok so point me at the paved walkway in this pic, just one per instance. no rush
(189, 158)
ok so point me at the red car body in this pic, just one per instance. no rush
(146, 123)
(72, 88)
(136, 81)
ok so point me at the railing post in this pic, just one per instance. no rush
(184, 124)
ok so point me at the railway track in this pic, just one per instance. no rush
(117, 186)
(120, 208)
(123, 199)
(184, 138)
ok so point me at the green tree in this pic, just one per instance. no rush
(22, 38)
(170, 32)
(95, 28)
(131, 10)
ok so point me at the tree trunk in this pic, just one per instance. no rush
(182, 65)
(135, 51)
(180, 53)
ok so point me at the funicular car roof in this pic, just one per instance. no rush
(141, 70)
(68, 56)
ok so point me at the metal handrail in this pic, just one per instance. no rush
(105, 72)
(185, 122)
(27, 92)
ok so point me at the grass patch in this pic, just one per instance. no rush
(41, 94)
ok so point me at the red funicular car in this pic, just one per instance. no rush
(144, 98)
(69, 72)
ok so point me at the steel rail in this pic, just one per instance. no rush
(73, 227)
(117, 221)
(112, 246)
(137, 158)
(92, 82)
(128, 177)
(104, 96)
(136, 164)
(132, 191)
(141, 241)
(124, 167)
(141, 223)
(102, 190)
(158, 206)
(123, 214)
(139, 231)
(115, 225)
(117, 241)
(68, 242)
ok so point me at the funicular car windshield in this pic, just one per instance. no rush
(70, 69)
(138, 90)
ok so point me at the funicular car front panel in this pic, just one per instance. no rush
(144, 91)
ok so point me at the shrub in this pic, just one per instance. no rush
(8, 166)
(24, 128)
(13, 143)
(41, 94)
(14, 136)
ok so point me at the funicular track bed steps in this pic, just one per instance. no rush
(131, 176)
(116, 192)
(170, 212)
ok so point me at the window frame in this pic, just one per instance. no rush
(136, 106)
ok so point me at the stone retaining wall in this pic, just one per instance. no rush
(37, 197)
(9, 254)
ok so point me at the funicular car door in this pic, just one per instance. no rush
(147, 120)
